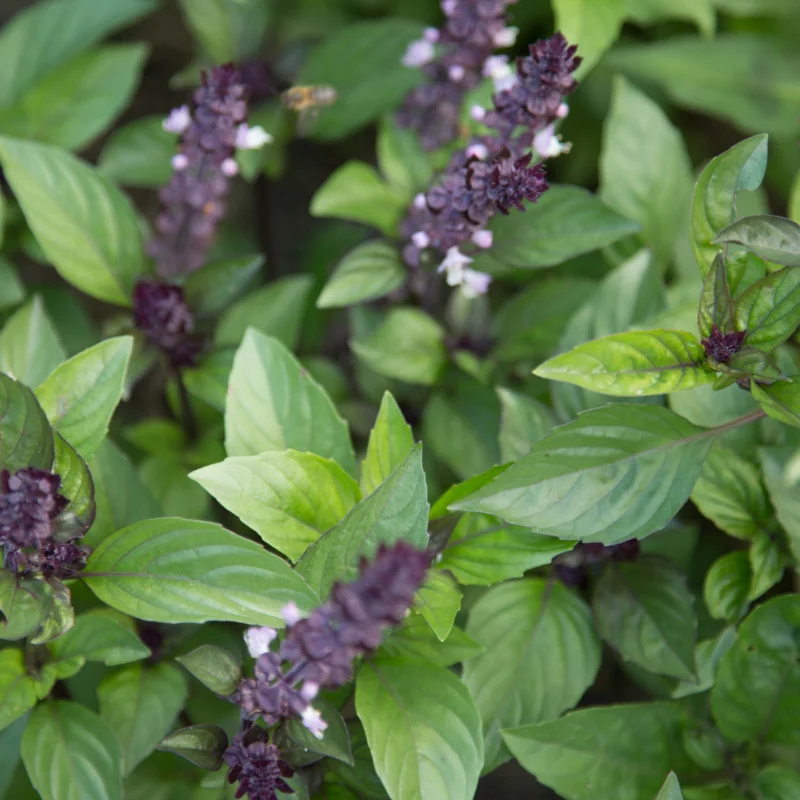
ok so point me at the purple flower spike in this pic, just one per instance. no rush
(257, 766)
(721, 347)
(29, 503)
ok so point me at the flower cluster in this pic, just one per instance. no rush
(194, 199)
(30, 504)
(573, 568)
(495, 173)
(256, 765)
(721, 347)
(161, 313)
(319, 650)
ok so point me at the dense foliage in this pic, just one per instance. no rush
(489, 462)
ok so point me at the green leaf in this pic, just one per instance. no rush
(757, 693)
(273, 404)
(369, 271)
(707, 657)
(776, 782)
(772, 238)
(26, 438)
(645, 172)
(209, 381)
(770, 310)
(214, 667)
(727, 585)
(9, 752)
(766, 564)
(289, 498)
(193, 572)
(541, 654)
(215, 286)
(524, 421)
(644, 610)
(138, 154)
(592, 26)
(483, 551)
(438, 601)
(441, 507)
(276, 309)
(79, 396)
(649, 12)
(70, 754)
(723, 78)
(416, 641)
(47, 34)
(782, 492)
(752, 362)
(203, 745)
(781, 401)
(407, 345)
(423, 729)
(613, 751)
(24, 604)
(566, 222)
(363, 62)
(176, 494)
(29, 345)
(671, 790)
(632, 364)
(397, 509)
(12, 290)
(102, 636)
(86, 227)
(401, 159)
(730, 493)
(336, 741)
(615, 473)
(71, 106)
(357, 192)
(19, 691)
(390, 441)
(716, 304)
(139, 704)
(76, 485)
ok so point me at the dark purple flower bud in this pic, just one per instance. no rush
(29, 503)
(161, 313)
(257, 766)
(60, 560)
(268, 694)
(510, 182)
(721, 347)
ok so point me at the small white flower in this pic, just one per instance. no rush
(449, 7)
(251, 138)
(312, 719)
(431, 35)
(453, 266)
(258, 640)
(178, 121)
(505, 82)
(495, 66)
(179, 162)
(420, 240)
(420, 201)
(310, 690)
(483, 239)
(506, 37)
(477, 113)
(456, 73)
(479, 151)
(291, 613)
(475, 283)
(548, 145)
(230, 167)
(418, 53)
(562, 111)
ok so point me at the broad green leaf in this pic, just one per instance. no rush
(76, 485)
(102, 636)
(707, 656)
(10, 739)
(289, 498)
(644, 610)
(401, 159)
(363, 62)
(390, 441)
(356, 192)
(416, 641)
(361, 777)
(139, 704)
(276, 309)
(176, 494)
(423, 729)
(19, 691)
(335, 743)
(752, 362)
(615, 473)
(632, 364)
(438, 601)
(273, 404)
(441, 508)
(407, 345)
(772, 238)
(723, 77)
(29, 345)
(620, 751)
(369, 271)
(766, 564)
(12, 290)
(671, 790)
(214, 667)
(47, 34)
(138, 154)
(85, 226)
(193, 572)
(566, 222)
(397, 509)
(726, 586)
(209, 381)
(24, 604)
(592, 25)
(782, 492)
(716, 304)
(215, 286)
(70, 754)
(541, 654)
(79, 396)
(780, 400)
(74, 104)
(648, 12)
(203, 745)
(523, 422)
(26, 438)
(645, 172)
(757, 693)
(776, 782)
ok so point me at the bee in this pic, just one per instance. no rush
(308, 98)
